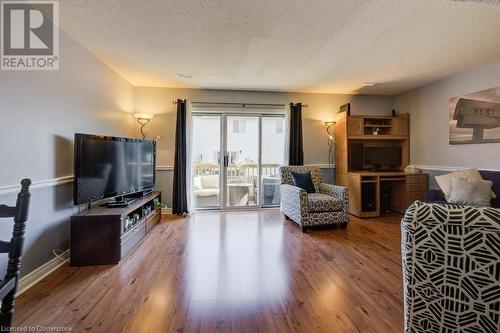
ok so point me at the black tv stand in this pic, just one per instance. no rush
(104, 236)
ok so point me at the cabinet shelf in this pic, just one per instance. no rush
(389, 126)
(378, 137)
(363, 127)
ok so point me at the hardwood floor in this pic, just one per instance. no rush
(246, 271)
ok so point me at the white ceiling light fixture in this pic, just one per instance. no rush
(368, 84)
(185, 76)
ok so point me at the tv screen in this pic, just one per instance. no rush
(110, 166)
(382, 157)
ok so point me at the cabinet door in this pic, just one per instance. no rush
(400, 126)
(356, 126)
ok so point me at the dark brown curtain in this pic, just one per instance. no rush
(179, 202)
(296, 148)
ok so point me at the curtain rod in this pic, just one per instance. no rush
(242, 104)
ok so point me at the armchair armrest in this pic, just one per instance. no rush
(337, 191)
(292, 196)
(435, 235)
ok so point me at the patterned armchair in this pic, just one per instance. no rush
(451, 268)
(328, 206)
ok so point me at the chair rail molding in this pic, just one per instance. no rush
(171, 167)
(164, 168)
(9, 189)
(446, 168)
(50, 182)
(322, 166)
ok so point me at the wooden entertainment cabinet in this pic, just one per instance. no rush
(105, 236)
(372, 192)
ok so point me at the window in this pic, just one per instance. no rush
(234, 156)
(279, 126)
(239, 126)
(217, 156)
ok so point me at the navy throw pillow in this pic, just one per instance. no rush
(304, 181)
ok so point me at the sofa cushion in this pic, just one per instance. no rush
(445, 181)
(319, 202)
(210, 181)
(473, 193)
(197, 183)
(304, 181)
(206, 192)
(475, 175)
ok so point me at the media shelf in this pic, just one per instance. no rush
(105, 236)
(370, 156)
(377, 127)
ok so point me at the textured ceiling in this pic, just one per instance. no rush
(286, 45)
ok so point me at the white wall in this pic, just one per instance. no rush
(428, 108)
(39, 113)
(322, 107)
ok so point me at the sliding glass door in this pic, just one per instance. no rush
(206, 161)
(242, 160)
(273, 154)
(236, 160)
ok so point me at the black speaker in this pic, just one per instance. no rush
(385, 198)
(368, 197)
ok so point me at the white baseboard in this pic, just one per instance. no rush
(29, 280)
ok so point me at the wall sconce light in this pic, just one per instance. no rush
(331, 142)
(143, 119)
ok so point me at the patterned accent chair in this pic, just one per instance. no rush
(451, 268)
(328, 206)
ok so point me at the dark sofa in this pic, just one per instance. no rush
(437, 196)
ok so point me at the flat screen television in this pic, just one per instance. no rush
(382, 158)
(108, 167)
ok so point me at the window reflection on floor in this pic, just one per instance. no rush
(235, 260)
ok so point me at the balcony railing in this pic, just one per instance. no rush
(244, 173)
(239, 172)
